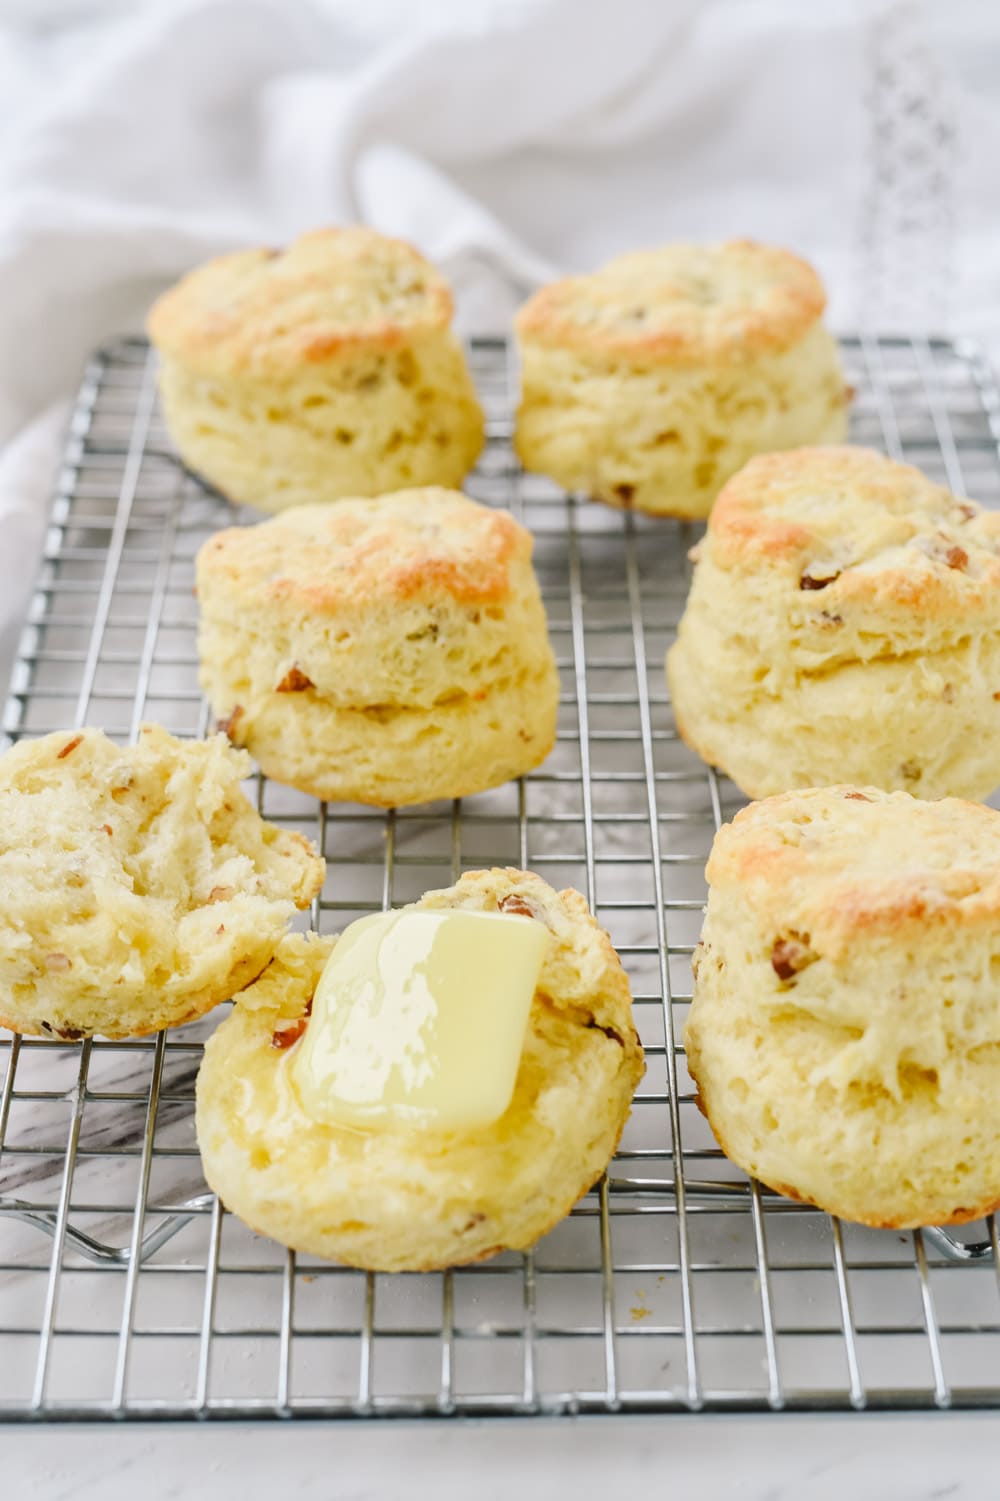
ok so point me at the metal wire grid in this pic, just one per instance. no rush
(127, 1292)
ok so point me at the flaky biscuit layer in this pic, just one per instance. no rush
(138, 887)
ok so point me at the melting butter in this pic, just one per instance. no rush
(419, 1017)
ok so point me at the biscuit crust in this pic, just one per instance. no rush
(416, 1200)
(843, 621)
(865, 532)
(419, 545)
(266, 313)
(138, 887)
(681, 305)
(844, 1029)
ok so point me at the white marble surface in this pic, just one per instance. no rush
(873, 1458)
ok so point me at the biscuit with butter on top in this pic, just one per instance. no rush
(843, 623)
(384, 651)
(138, 887)
(323, 370)
(844, 1028)
(410, 1198)
(648, 383)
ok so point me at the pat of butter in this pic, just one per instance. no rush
(419, 1017)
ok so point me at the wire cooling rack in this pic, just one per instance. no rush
(126, 1291)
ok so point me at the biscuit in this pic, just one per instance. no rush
(324, 370)
(843, 623)
(383, 651)
(650, 382)
(138, 887)
(414, 1199)
(844, 1029)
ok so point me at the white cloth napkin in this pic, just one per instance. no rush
(511, 139)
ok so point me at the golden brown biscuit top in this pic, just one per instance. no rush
(428, 545)
(681, 304)
(269, 312)
(843, 526)
(830, 866)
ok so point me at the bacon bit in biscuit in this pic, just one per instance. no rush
(294, 681)
(956, 557)
(595, 1026)
(69, 1034)
(122, 780)
(58, 962)
(107, 829)
(69, 747)
(220, 929)
(516, 906)
(997, 697)
(228, 725)
(789, 956)
(426, 633)
(286, 1037)
(624, 493)
(219, 894)
(820, 578)
(858, 797)
(966, 511)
